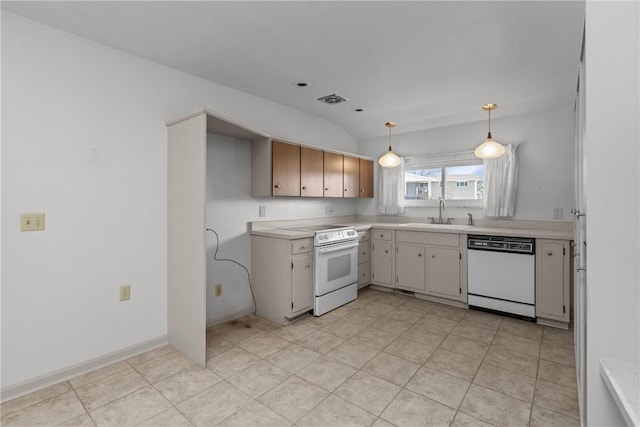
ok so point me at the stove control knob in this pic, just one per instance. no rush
(351, 232)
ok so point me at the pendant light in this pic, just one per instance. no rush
(489, 149)
(389, 159)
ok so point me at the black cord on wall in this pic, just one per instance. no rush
(215, 257)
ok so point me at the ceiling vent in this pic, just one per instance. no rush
(332, 99)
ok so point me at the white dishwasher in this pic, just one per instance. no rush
(501, 274)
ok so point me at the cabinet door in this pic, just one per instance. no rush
(381, 263)
(332, 175)
(285, 169)
(443, 272)
(410, 267)
(311, 172)
(366, 178)
(351, 176)
(302, 282)
(552, 280)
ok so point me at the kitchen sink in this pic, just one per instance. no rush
(428, 226)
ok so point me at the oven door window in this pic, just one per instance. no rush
(339, 266)
(335, 269)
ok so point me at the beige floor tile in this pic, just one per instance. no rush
(464, 420)
(448, 312)
(169, 418)
(164, 366)
(254, 414)
(506, 382)
(231, 362)
(466, 331)
(100, 374)
(375, 338)
(132, 409)
(186, 383)
(83, 420)
(437, 324)
(541, 417)
(324, 320)
(216, 346)
(294, 331)
(55, 410)
(495, 408)
(412, 351)
(418, 305)
(483, 320)
(293, 358)
(336, 412)
(405, 315)
(411, 409)
(264, 345)
(424, 334)
(556, 373)
(320, 342)
(453, 364)
(149, 355)
(376, 309)
(518, 362)
(391, 298)
(360, 319)
(241, 334)
(557, 398)
(465, 347)
(214, 404)
(353, 353)
(259, 378)
(522, 328)
(391, 368)
(558, 336)
(390, 325)
(368, 392)
(293, 398)
(517, 344)
(343, 329)
(105, 390)
(438, 386)
(381, 422)
(327, 373)
(558, 354)
(33, 398)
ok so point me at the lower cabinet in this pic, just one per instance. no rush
(430, 263)
(382, 257)
(364, 258)
(553, 274)
(282, 277)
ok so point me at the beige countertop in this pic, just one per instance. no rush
(284, 233)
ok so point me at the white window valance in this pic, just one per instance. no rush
(461, 158)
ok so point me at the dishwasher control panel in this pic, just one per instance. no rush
(520, 245)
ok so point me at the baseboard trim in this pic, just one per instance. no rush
(26, 387)
(232, 316)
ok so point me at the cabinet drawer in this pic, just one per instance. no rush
(364, 273)
(428, 238)
(364, 252)
(301, 246)
(382, 234)
(364, 236)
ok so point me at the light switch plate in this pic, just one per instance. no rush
(32, 222)
(125, 292)
(557, 213)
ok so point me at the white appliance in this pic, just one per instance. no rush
(335, 266)
(501, 274)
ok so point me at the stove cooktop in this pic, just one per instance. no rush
(321, 227)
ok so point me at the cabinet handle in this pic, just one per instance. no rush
(307, 266)
(326, 189)
(302, 248)
(578, 268)
(304, 188)
(549, 253)
(362, 190)
(382, 235)
(433, 256)
(277, 186)
(386, 251)
(419, 254)
(345, 189)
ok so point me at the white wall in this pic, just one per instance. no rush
(229, 207)
(84, 141)
(545, 155)
(613, 232)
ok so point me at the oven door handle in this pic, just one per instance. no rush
(335, 248)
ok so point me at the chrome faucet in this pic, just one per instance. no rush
(441, 207)
(470, 222)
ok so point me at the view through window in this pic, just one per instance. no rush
(460, 182)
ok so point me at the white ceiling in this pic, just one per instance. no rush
(421, 64)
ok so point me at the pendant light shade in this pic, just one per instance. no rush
(489, 149)
(389, 159)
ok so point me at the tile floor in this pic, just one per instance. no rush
(385, 359)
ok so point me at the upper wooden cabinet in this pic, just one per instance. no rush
(285, 168)
(366, 178)
(311, 172)
(351, 176)
(333, 175)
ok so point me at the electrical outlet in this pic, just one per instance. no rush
(125, 292)
(32, 222)
(262, 211)
(557, 213)
(218, 289)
